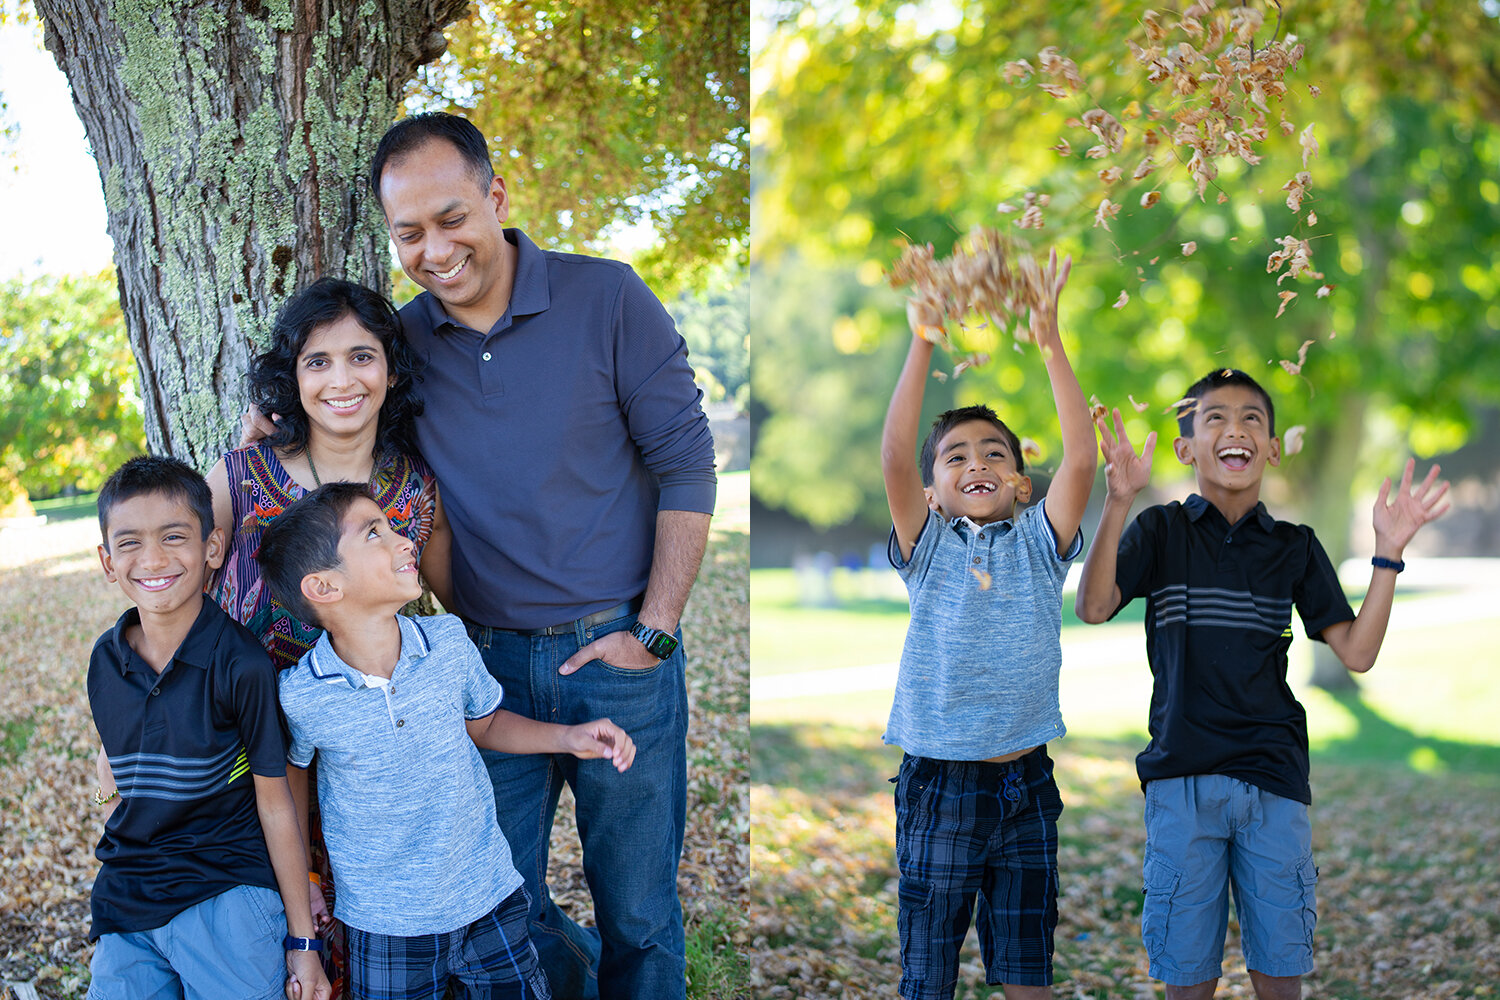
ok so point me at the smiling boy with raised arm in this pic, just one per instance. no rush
(976, 696)
(1226, 772)
(393, 707)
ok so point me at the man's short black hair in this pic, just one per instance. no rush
(303, 540)
(1218, 379)
(950, 419)
(411, 134)
(162, 474)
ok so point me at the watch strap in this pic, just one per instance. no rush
(1381, 562)
(290, 943)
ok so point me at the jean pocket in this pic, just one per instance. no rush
(610, 668)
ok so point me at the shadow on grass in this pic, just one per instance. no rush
(1378, 741)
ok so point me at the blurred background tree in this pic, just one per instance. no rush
(69, 410)
(604, 115)
(882, 121)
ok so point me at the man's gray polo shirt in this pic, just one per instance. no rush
(408, 809)
(978, 674)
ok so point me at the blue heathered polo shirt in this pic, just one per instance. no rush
(408, 809)
(978, 675)
(183, 746)
(1219, 601)
(556, 436)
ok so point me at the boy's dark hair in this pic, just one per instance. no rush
(273, 374)
(161, 474)
(303, 540)
(950, 419)
(1217, 379)
(411, 134)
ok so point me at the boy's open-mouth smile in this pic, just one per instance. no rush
(981, 487)
(155, 583)
(1235, 457)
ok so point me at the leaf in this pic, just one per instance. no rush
(1324, 291)
(1189, 248)
(1312, 218)
(984, 578)
(1017, 69)
(1309, 145)
(1291, 441)
(1107, 210)
(1120, 302)
(1063, 148)
(1286, 298)
(1150, 198)
(1030, 450)
(1139, 407)
(1110, 174)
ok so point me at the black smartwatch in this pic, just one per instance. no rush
(658, 643)
(290, 943)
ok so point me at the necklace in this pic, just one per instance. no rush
(374, 465)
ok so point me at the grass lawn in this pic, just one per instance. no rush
(1406, 814)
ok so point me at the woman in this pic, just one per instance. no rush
(342, 383)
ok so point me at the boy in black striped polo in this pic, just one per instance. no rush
(1226, 771)
(201, 853)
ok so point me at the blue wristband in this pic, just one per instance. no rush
(290, 943)
(1381, 562)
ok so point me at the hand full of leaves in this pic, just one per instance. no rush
(988, 275)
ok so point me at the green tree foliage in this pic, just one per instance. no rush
(715, 322)
(887, 119)
(68, 406)
(604, 113)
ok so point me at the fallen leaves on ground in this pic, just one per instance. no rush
(1408, 861)
(54, 602)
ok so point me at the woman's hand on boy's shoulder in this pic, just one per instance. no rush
(602, 739)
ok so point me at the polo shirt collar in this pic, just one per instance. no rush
(197, 649)
(1196, 506)
(963, 525)
(529, 293)
(327, 666)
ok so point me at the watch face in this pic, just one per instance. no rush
(662, 646)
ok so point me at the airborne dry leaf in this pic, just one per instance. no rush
(983, 578)
(1120, 302)
(1291, 441)
(1286, 298)
(1189, 248)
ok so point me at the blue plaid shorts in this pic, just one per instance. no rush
(490, 959)
(967, 829)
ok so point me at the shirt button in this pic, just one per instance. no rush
(400, 723)
(155, 692)
(486, 355)
(976, 560)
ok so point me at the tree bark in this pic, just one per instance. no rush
(231, 142)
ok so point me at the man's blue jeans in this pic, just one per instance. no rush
(630, 824)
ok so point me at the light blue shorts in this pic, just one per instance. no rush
(224, 948)
(1206, 834)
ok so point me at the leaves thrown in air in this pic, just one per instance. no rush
(1120, 302)
(1189, 248)
(1291, 441)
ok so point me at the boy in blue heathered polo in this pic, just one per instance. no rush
(201, 851)
(1226, 772)
(393, 707)
(976, 696)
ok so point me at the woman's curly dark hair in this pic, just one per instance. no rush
(273, 374)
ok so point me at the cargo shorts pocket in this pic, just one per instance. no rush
(1161, 880)
(1307, 878)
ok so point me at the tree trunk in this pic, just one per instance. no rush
(231, 142)
(1333, 496)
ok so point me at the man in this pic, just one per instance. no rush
(577, 472)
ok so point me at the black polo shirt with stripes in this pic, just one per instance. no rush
(183, 746)
(1219, 601)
